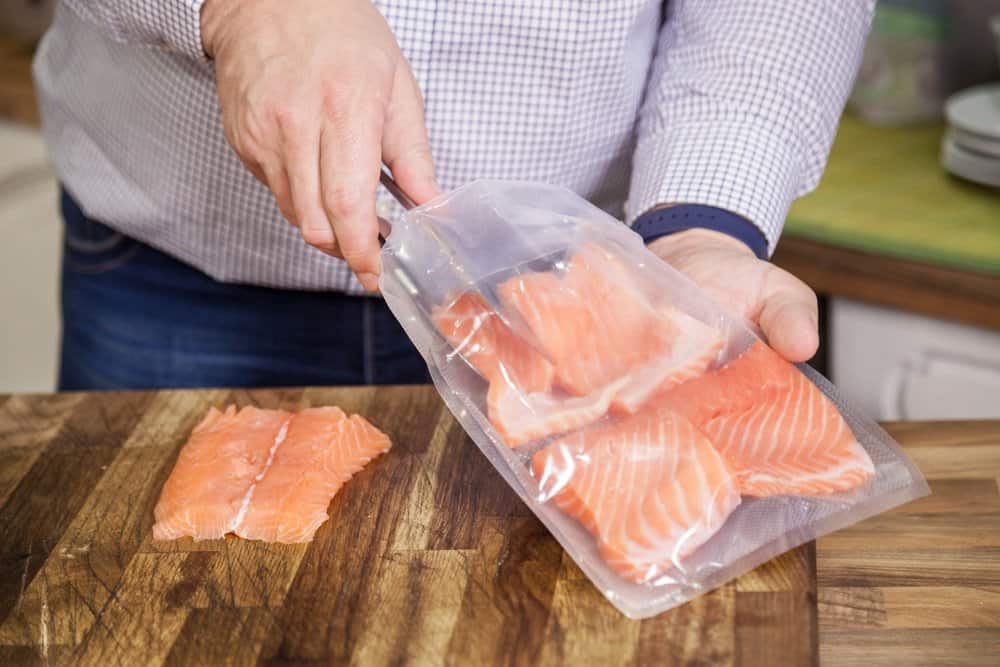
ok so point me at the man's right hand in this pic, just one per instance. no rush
(315, 96)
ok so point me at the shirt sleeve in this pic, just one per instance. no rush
(743, 102)
(171, 25)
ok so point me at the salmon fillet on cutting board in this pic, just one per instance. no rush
(226, 452)
(776, 429)
(323, 449)
(263, 474)
(650, 488)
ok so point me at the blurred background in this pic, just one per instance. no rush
(901, 240)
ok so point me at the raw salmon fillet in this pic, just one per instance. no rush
(649, 487)
(263, 474)
(775, 428)
(323, 449)
(521, 417)
(483, 339)
(601, 346)
(696, 347)
(592, 322)
(227, 451)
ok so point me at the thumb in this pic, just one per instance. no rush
(405, 149)
(788, 319)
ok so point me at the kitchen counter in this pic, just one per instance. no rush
(954, 294)
(889, 226)
(884, 191)
(429, 557)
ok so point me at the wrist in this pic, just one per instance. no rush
(681, 242)
(214, 15)
(670, 220)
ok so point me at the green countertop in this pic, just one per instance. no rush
(884, 191)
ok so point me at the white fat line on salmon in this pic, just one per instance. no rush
(825, 474)
(245, 505)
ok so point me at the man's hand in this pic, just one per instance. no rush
(781, 305)
(315, 95)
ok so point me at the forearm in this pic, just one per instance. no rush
(743, 104)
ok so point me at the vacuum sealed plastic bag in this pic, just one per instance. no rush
(665, 446)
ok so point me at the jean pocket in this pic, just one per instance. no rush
(91, 247)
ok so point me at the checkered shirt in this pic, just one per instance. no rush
(631, 103)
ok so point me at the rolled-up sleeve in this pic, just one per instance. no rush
(172, 25)
(743, 102)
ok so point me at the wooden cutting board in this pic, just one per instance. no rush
(428, 558)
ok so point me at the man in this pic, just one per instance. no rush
(184, 130)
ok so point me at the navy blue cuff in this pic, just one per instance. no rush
(664, 221)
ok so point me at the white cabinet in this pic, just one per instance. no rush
(897, 365)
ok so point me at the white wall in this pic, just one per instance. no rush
(30, 237)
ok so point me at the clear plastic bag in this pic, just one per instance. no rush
(664, 446)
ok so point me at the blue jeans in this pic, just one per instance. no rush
(136, 318)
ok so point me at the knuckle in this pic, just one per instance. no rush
(354, 246)
(285, 206)
(354, 253)
(245, 150)
(358, 260)
(417, 150)
(376, 65)
(335, 92)
(288, 215)
(418, 95)
(254, 135)
(321, 237)
(352, 242)
(342, 199)
(232, 137)
(384, 61)
(287, 118)
(792, 289)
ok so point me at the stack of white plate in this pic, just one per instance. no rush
(971, 145)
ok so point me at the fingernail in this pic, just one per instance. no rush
(369, 281)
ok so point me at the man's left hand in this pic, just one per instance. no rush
(780, 305)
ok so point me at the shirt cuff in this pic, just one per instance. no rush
(740, 167)
(171, 25)
(665, 221)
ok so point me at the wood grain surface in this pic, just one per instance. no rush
(429, 559)
(920, 585)
(951, 294)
